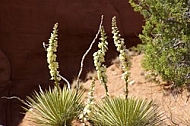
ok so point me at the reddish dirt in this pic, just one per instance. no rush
(175, 109)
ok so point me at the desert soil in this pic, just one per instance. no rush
(175, 109)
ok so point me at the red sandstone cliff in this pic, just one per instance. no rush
(25, 24)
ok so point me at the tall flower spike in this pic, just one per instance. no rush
(121, 48)
(88, 109)
(51, 56)
(99, 59)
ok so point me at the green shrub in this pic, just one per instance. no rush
(166, 38)
(125, 112)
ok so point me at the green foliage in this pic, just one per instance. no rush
(137, 49)
(166, 38)
(54, 107)
(125, 112)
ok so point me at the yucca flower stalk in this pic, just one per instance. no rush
(57, 106)
(51, 57)
(88, 109)
(121, 48)
(99, 59)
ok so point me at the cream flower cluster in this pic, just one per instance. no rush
(89, 105)
(99, 59)
(121, 48)
(51, 56)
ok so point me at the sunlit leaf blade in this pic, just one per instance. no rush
(126, 112)
(54, 107)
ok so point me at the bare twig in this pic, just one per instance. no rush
(87, 51)
(64, 79)
(13, 97)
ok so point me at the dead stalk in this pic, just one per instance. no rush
(87, 51)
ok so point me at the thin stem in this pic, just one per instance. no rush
(87, 51)
(106, 88)
(13, 97)
(126, 90)
(68, 84)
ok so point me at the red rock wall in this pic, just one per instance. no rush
(25, 24)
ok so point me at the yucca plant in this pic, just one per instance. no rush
(54, 107)
(126, 112)
(118, 111)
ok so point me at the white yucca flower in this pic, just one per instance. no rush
(121, 48)
(51, 56)
(88, 109)
(99, 59)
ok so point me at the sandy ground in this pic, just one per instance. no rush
(175, 109)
